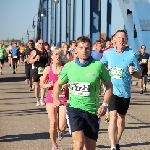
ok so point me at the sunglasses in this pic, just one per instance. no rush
(30, 43)
(41, 43)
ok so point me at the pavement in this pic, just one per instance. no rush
(23, 126)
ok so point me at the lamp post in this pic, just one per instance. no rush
(33, 25)
(27, 35)
(56, 1)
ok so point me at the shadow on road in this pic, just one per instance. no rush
(12, 79)
(24, 112)
(127, 145)
(21, 137)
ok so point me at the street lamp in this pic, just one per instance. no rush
(27, 35)
(56, 1)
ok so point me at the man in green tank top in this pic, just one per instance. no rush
(83, 108)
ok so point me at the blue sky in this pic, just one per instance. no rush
(17, 15)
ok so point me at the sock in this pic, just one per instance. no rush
(113, 148)
(117, 143)
(38, 99)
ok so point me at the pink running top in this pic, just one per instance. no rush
(63, 95)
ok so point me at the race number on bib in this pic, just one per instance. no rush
(40, 70)
(80, 88)
(14, 56)
(116, 72)
(144, 61)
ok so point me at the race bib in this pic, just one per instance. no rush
(14, 56)
(40, 70)
(116, 73)
(144, 61)
(9, 55)
(80, 88)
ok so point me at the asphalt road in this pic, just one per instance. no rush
(23, 126)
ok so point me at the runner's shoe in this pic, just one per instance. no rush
(55, 147)
(117, 147)
(60, 135)
(27, 81)
(38, 103)
(42, 102)
(14, 72)
(141, 92)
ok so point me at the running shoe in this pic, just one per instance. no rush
(32, 87)
(38, 103)
(27, 81)
(117, 147)
(141, 92)
(55, 147)
(42, 102)
(14, 72)
(60, 135)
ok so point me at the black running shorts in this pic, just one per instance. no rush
(120, 104)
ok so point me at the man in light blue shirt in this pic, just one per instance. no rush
(98, 52)
(122, 64)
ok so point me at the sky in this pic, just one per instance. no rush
(16, 17)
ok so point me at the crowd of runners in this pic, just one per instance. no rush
(71, 77)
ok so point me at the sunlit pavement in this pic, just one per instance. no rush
(23, 126)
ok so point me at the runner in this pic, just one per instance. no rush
(15, 56)
(98, 52)
(65, 53)
(72, 52)
(9, 51)
(22, 49)
(50, 76)
(121, 62)
(39, 58)
(2, 58)
(28, 66)
(143, 58)
(83, 106)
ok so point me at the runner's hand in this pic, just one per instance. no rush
(57, 103)
(64, 87)
(131, 69)
(140, 62)
(50, 84)
(37, 58)
(101, 111)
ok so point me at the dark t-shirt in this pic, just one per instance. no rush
(43, 58)
(144, 59)
(27, 52)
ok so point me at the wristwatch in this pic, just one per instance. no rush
(105, 104)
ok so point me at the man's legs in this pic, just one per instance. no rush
(27, 72)
(89, 144)
(145, 82)
(37, 90)
(120, 126)
(112, 128)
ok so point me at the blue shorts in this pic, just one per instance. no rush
(85, 121)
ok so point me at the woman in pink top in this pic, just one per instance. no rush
(50, 76)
